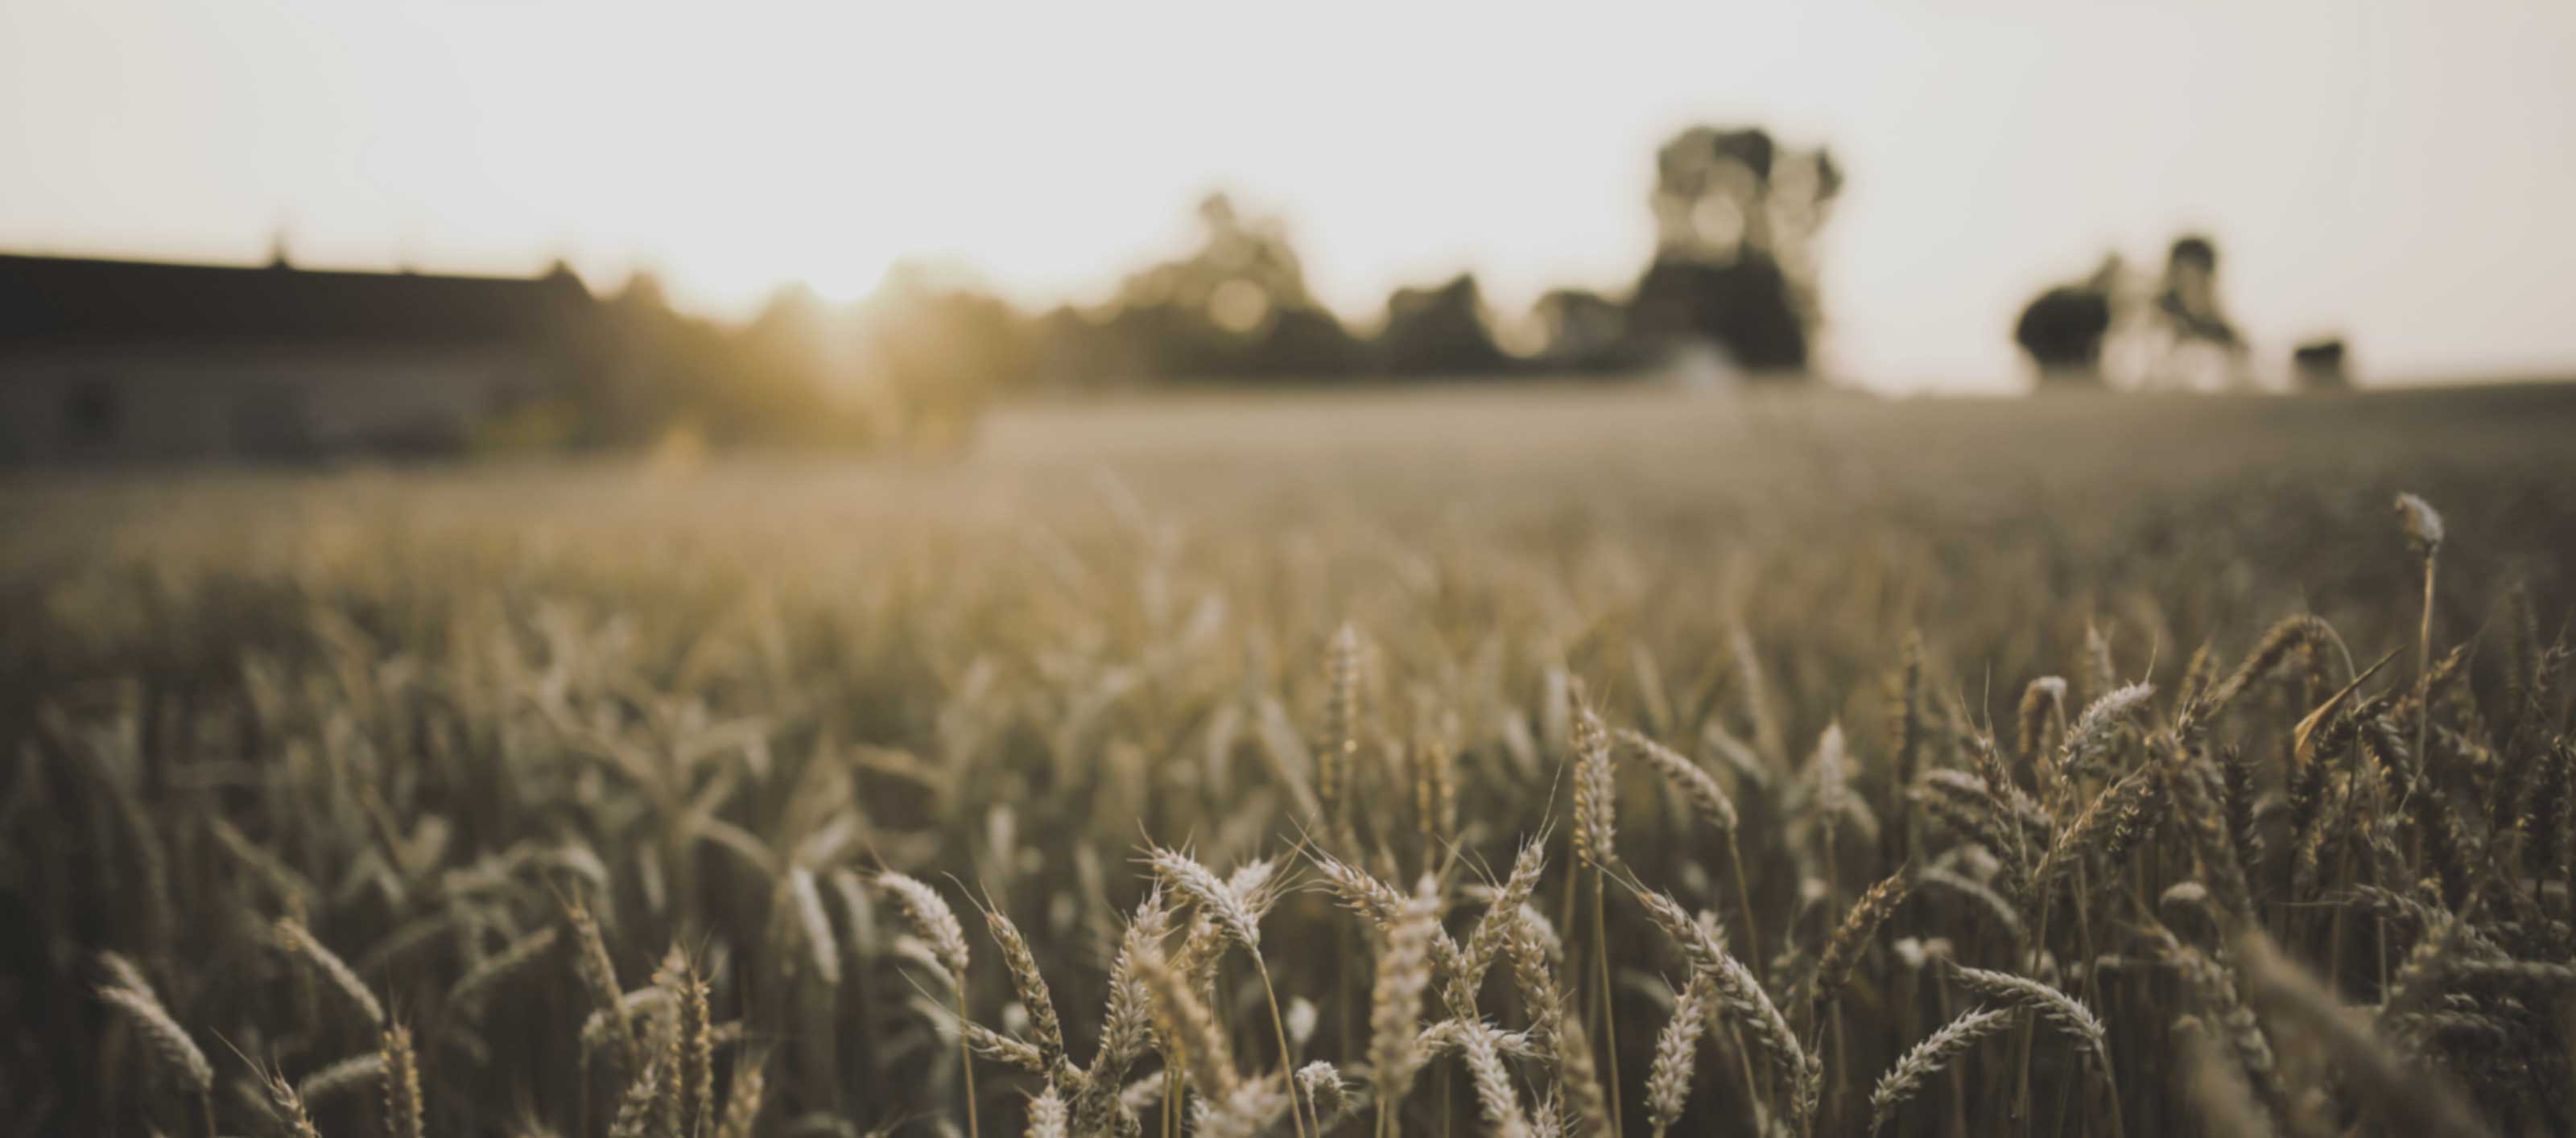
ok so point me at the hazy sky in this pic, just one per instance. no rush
(2403, 173)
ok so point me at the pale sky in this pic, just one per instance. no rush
(2402, 173)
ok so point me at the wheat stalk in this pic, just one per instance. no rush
(2068, 1013)
(1047, 1117)
(1930, 1057)
(299, 941)
(1859, 924)
(1395, 999)
(1032, 988)
(470, 990)
(1668, 1083)
(743, 1098)
(937, 925)
(400, 1083)
(1495, 1097)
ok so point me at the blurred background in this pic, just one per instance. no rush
(275, 231)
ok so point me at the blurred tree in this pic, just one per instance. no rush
(1236, 305)
(792, 377)
(1746, 308)
(1736, 218)
(2193, 345)
(2319, 365)
(660, 371)
(934, 352)
(1440, 330)
(1581, 330)
(2063, 328)
(1307, 341)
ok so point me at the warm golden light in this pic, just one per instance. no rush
(2380, 167)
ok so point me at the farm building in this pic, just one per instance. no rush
(116, 362)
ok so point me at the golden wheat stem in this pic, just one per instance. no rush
(966, 1064)
(1744, 901)
(1287, 1061)
(1609, 998)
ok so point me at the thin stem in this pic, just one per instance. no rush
(2119, 1129)
(1958, 1080)
(966, 1061)
(1754, 1088)
(1287, 1062)
(1744, 901)
(2423, 668)
(1609, 998)
(2038, 939)
(1842, 1059)
(2092, 992)
(1444, 1106)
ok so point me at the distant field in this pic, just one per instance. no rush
(422, 713)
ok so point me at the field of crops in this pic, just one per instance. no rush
(1524, 764)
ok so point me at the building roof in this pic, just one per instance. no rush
(49, 301)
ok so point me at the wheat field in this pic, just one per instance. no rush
(1554, 763)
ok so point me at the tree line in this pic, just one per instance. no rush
(1729, 294)
(1730, 290)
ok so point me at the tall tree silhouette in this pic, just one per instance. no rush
(2063, 328)
(1736, 218)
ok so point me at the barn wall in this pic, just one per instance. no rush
(130, 405)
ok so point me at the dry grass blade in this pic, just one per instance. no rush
(2304, 734)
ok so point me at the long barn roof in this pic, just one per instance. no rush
(48, 301)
